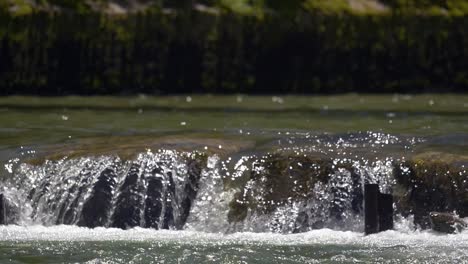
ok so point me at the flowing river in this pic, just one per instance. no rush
(229, 179)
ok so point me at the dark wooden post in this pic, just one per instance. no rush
(371, 208)
(385, 212)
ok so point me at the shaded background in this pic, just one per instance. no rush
(61, 47)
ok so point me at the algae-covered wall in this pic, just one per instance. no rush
(221, 51)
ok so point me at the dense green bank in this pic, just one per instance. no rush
(209, 52)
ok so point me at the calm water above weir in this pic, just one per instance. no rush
(235, 179)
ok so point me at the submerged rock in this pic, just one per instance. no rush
(446, 222)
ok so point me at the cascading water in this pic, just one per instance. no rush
(239, 207)
(231, 179)
(288, 191)
(154, 190)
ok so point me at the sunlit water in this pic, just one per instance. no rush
(67, 244)
(360, 134)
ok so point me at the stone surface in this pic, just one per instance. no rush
(154, 199)
(431, 181)
(129, 203)
(128, 147)
(97, 208)
(446, 222)
(315, 184)
(9, 212)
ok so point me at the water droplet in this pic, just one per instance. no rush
(277, 99)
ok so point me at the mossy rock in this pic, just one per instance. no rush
(278, 179)
(432, 181)
(446, 222)
(128, 147)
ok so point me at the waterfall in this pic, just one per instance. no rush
(190, 190)
(153, 190)
(309, 183)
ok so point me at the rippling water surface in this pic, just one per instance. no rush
(57, 143)
(66, 244)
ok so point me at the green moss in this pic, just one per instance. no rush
(275, 180)
(243, 7)
(20, 8)
(128, 147)
(457, 7)
(259, 8)
(432, 181)
(328, 6)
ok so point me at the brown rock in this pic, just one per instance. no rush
(446, 222)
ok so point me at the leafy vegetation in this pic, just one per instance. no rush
(258, 46)
(248, 7)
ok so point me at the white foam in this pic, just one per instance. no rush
(419, 239)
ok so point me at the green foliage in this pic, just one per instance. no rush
(3, 6)
(18, 7)
(413, 3)
(458, 7)
(285, 7)
(243, 7)
(181, 4)
(257, 8)
(78, 6)
(434, 7)
(327, 6)
(157, 52)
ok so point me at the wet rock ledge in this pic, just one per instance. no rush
(320, 191)
(288, 192)
(432, 182)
